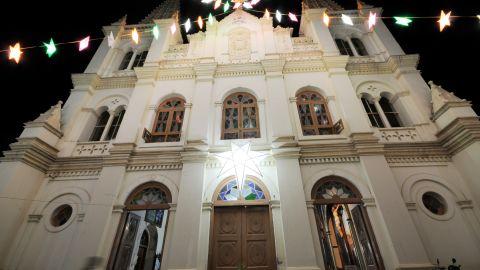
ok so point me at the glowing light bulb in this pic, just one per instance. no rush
(135, 36)
(326, 19)
(200, 22)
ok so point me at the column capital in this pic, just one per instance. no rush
(273, 66)
(205, 70)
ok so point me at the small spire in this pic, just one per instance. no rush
(440, 96)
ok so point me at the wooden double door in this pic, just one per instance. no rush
(242, 238)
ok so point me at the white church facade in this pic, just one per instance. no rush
(246, 148)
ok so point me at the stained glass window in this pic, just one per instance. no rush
(334, 190)
(314, 115)
(250, 192)
(168, 126)
(150, 196)
(240, 117)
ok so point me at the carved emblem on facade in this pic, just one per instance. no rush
(239, 45)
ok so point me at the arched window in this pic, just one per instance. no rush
(344, 47)
(126, 61)
(250, 192)
(169, 121)
(359, 47)
(115, 126)
(147, 206)
(372, 113)
(240, 117)
(140, 59)
(390, 113)
(102, 122)
(314, 115)
(346, 236)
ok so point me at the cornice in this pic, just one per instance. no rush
(232, 70)
(366, 144)
(460, 134)
(45, 125)
(120, 154)
(31, 151)
(399, 63)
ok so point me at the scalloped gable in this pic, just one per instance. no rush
(238, 18)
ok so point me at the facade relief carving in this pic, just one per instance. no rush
(239, 45)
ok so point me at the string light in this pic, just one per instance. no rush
(267, 14)
(135, 36)
(478, 16)
(83, 44)
(200, 22)
(173, 28)
(347, 20)
(218, 3)
(278, 16)
(207, 1)
(292, 17)
(50, 48)
(156, 32)
(326, 19)
(210, 19)
(226, 6)
(403, 21)
(15, 53)
(188, 25)
(237, 5)
(247, 5)
(254, 2)
(444, 20)
(372, 20)
(111, 40)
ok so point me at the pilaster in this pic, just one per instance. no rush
(312, 21)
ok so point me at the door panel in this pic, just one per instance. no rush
(227, 236)
(242, 239)
(128, 241)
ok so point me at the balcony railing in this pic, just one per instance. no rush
(150, 137)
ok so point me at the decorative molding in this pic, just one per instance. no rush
(404, 63)
(118, 208)
(466, 204)
(76, 174)
(329, 160)
(31, 151)
(417, 161)
(34, 218)
(89, 149)
(154, 167)
(369, 202)
(460, 134)
(399, 135)
(411, 206)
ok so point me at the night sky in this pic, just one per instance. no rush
(450, 58)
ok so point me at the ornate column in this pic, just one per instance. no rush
(185, 250)
(380, 111)
(299, 248)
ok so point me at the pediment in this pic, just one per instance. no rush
(239, 18)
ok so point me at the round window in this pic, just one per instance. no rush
(61, 215)
(434, 203)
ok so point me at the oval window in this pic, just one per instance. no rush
(434, 203)
(61, 215)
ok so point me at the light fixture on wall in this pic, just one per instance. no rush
(240, 161)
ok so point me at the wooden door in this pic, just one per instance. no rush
(242, 239)
(128, 241)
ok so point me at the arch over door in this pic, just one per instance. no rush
(242, 229)
(346, 236)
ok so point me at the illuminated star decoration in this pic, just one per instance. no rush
(111, 40)
(218, 3)
(210, 19)
(372, 20)
(247, 5)
(237, 5)
(240, 161)
(200, 22)
(84, 43)
(188, 25)
(254, 2)
(50, 48)
(403, 21)
(15, 53)
(226, 7)
(326, 19)
(173, 28)
(444, 20)
(292, 17)
(156, 32)
(347, 20)
(135, 36)
(278, 16)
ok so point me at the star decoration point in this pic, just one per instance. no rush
(50, 47)
(444, 20)
(15, 53)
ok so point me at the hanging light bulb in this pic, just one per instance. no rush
(347, 20)
(200, 22)
(292, 17)
(278, 16)
(444, 20)
(135, 36)
(15, 53)
(188, 25)
(326, 19)
(372, 20)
